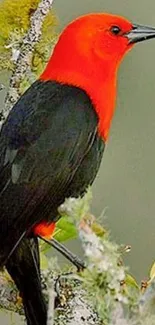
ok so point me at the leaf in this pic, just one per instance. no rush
(65, 230)
(98, 229)
(152, 272)
(131, 281)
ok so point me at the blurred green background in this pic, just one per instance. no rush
(124, 191)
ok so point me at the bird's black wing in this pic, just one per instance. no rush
(43, 144)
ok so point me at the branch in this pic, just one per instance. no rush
(9, 296)
(99, 294)
(24, 55)
(51, 304)
(74, 307)
(65, 291)
(113, 293)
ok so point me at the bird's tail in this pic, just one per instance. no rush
(24, 267)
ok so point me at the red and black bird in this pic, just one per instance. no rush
(52, 142)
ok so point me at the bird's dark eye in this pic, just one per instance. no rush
(115, 30)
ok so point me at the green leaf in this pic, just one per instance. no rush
(98, 229)
(152, 272)
(65, 230)
(130, 281)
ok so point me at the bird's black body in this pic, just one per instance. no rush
(49, 150)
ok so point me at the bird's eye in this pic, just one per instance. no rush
(115, 30)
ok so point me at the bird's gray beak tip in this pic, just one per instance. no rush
(140, 33)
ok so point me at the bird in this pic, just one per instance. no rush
(53, 139)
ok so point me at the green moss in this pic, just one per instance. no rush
(14, 23)
(15, 16)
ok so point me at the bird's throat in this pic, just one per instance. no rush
(103, 99)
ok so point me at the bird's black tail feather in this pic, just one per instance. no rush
(23, 266)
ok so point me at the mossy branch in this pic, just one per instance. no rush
(101, 294)
(25, 55)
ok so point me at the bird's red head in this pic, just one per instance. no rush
(88, 54)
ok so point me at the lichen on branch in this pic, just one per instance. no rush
(26, 49)
(102, 294)
(15, 19)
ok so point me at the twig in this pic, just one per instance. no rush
(74, 259)
(51, 304)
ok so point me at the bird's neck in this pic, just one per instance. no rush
(97, 79)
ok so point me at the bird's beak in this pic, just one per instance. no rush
(140, 33)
